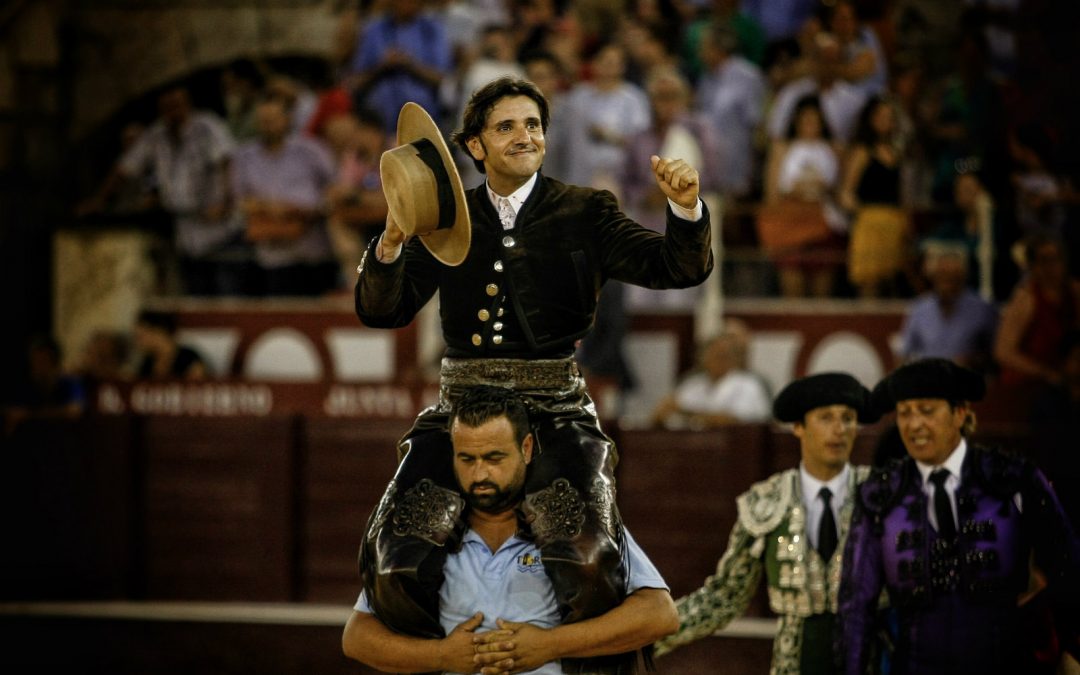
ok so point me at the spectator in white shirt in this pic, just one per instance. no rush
(719, 393)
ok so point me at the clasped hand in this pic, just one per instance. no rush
(511, 648)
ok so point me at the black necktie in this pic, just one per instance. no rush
(826, 534)
(946, 525)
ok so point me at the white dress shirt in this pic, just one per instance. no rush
(953, 465)
(516, 199)
(815, 507)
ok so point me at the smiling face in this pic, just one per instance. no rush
(489, 464)
(511, 144)
(826, 436)
(930, 428)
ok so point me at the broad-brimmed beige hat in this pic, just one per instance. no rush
(423, 188)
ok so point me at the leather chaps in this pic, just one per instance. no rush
(568, 510)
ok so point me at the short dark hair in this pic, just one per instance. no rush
(165, 321)
(537, 54)
(247, 70)
(369, 117)
(484, 99)
(802, 104)
(865, 134)
(483, 403)
(722, 36)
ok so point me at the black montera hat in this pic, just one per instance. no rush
(816, 391)
(928, 378)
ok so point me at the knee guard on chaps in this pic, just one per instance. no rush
(569, 509)
(417, 522)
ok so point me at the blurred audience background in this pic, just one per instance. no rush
(918, 152)
(187, 189)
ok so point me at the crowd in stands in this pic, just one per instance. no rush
(46, 389)
(836, 138)
(852, 149)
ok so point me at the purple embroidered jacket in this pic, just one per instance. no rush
(956, 602)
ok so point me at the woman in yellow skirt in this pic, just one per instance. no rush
(871, 190)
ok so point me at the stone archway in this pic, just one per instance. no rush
(123, 49)
(106, 56)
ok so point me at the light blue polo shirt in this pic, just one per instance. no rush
(511, 584)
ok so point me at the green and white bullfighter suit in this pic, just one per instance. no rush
(770, 535)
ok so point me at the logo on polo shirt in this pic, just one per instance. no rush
(529, 562)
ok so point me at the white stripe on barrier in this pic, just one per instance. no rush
(261, 613)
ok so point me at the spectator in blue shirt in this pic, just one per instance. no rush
(496, 603)
(47, 392)
(951, 321)
(403, 56)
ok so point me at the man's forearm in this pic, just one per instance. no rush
(722, 597)
(643, 618)
(380, 291)
(368, 641)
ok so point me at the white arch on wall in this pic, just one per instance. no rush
(847, 352)
(283, 355)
